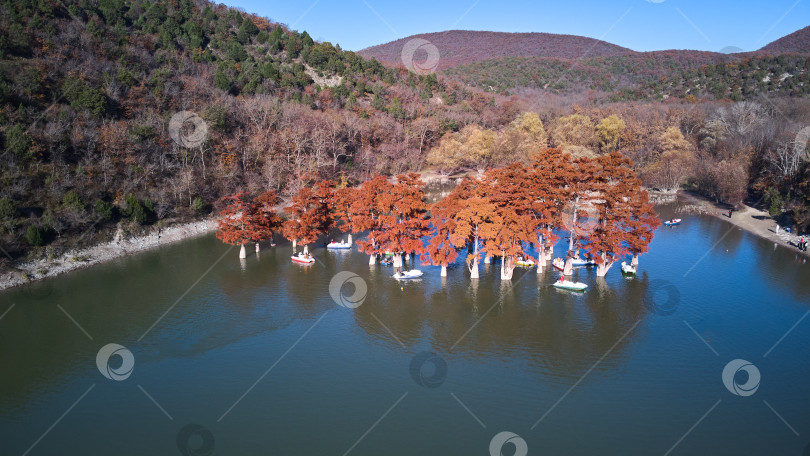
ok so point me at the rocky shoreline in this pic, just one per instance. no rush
(29, 271)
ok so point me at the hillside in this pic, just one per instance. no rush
(797, 42)
(507, 62)
(652, 76)
(120, 114)
(463, 46)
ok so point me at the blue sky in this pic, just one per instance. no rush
(642, 25)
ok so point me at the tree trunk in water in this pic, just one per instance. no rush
(486, 258)
(350, 239)
(507, 267)
(474, 269)
(444, 271)
(372, 259)
(568, 269)
(257, 247)
(295, 242)
(634, 261)
(397, 262)
(603, 268)
(573, 225)
(549, 252)
(541, 254)
(242, 253)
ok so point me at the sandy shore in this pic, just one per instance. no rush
(75, 259)
(748, 218)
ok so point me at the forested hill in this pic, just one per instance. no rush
(508, 63)
(89, 89)
(651, 76)
(797, 42)
(457, 47)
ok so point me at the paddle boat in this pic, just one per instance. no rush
(559, 263)
(578, 262)
(525, 262)
(338, 245)
(300, 258)
(627, 269)
(569, 285)
(672, 222)
(406, 275)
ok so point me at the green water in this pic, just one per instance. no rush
(262, 360)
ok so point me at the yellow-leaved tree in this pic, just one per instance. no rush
(522, 139)
(610, 131)
(574, 133)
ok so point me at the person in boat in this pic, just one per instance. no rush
(562, 279)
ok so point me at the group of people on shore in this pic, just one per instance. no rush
(801, 244)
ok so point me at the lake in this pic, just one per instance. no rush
(218, 356)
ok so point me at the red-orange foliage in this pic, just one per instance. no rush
(341, 207)
(266, 220)
(547, 182)
(309, 213)
(246, 220)
(364, 212)
(622, 206)
(446, 238)
(512, 203)
(403, 221)
(393, 214)
(475, 219)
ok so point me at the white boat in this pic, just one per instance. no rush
(569, 285)
(558, 264)
(672, 222)
(338, 245)
(627, 269)
(581, 262)
(405, 275)
(302, 259)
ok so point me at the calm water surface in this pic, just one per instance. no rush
(259, 357)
